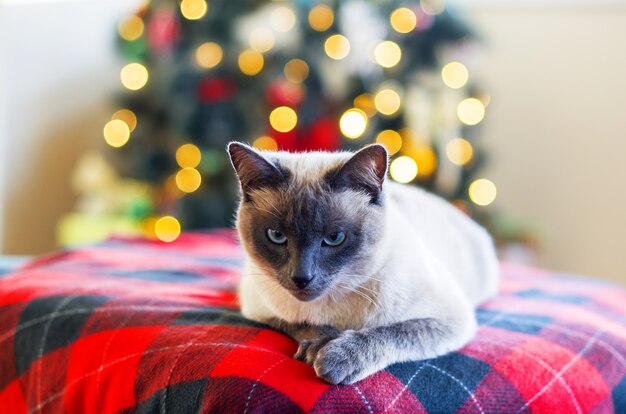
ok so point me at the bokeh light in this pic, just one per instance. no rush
(283, 119)
(387, 101)
(116, 133)
(471, 111)
(482, 192)
(209, 55)
(433, 7)
(262, 39)
(337, 47)
(265, 143)
(403, 169)
(387, 54)
(321, 17)
(167, 229)
(391, 140)
(250, 62)
(365, 102)
(296, 70)
(188, 179)
(282, 19)
(188, 155)
(128, 117)
(353, 123)
(130, 28)
(459, 151)
(193, 9)
(403, 20)
(426, 160)
(134, 76)
(455, 75)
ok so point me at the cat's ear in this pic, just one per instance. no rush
(366, 170)
(252, 168)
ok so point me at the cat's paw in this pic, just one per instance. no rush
(309, 348)
(345, 359)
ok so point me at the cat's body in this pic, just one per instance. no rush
(406, 287)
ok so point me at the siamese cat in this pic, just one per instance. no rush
(362, 272)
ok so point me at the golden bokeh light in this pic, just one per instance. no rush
(188, 156)
(353, 123)
(283, 119)
(403, 20)
(262, 39)
(387, 101)
(459, 151)
(403, 169)
(482, 192)
(296, 70)
(321, 17)
(485, 98)
(470, 111)
(193, 9)
(167, 229)
(433, 7)
(130, 28)
(426, 160)
(265, 143)
(337, 47)
(188, 179)
(250, 62)
(455, 75)
(282, 19)
(365, 102)
(209, 55)
(134, 76)
(387, 54)
(116, 133)
(127, 116)
(391, 140)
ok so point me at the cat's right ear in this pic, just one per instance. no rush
(253, 170)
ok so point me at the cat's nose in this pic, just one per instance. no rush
(302, 280)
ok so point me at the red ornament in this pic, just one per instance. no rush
(163, 30)
(323, 135)
(216, 89)
(281, 93)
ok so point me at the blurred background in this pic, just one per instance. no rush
(114, 114)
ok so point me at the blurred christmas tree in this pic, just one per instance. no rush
(293, 75)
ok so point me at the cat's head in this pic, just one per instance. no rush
(311, 220)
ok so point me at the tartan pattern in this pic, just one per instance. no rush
(141, 326)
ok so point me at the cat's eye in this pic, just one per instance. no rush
(276, 236)
(334, 239)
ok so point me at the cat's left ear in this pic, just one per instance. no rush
(366, 170)
(253, 169)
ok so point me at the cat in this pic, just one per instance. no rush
(361, 271)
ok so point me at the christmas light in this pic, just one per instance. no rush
(282, 19)
(127, 116)
(337, 47)
(482, 192)
(353, 123)
(426, 160)
(262, 39)
(265, 143)
(250, 62)
(403, 169)
(296, 70)
(188, 179)
(391, 140)
(455, 75)
(283, 119)
(387, 101)
(188, 156)
(209, 55)
(459, 151)
(365, 102)
(193, 9)
(470, 111)
(403, 20)
(387, 54)
(321, 18)
(134, 76)
(433, 7)
(116, 133)
(167, 229)
(130, 28)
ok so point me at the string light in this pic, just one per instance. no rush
(265, 143)
(470, 111)
(426, 160)
(250, 62)
(296, 70)
(283, 119)
(116, 133)
(433, 7)
(209, 55)
(193, 9)
(455, 75)
(188, 156)
(391, 140)
(337, 47)
(353, 123)
(403, 20)
(188, 179)
(282, 19)
(459, 151)
(262, 39)
(130, 28)
(403, 169)
(387, 101)
(365, 102)
(128, 117)
(482, 192)
(387, 54)
(167, 229)
(321, 18)
(134, 76)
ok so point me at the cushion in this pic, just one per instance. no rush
(142, 326)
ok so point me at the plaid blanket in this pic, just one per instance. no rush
(142, 326)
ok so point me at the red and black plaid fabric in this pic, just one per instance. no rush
(141, 326)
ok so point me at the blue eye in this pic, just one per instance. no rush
(276, 236)
(334, 239)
